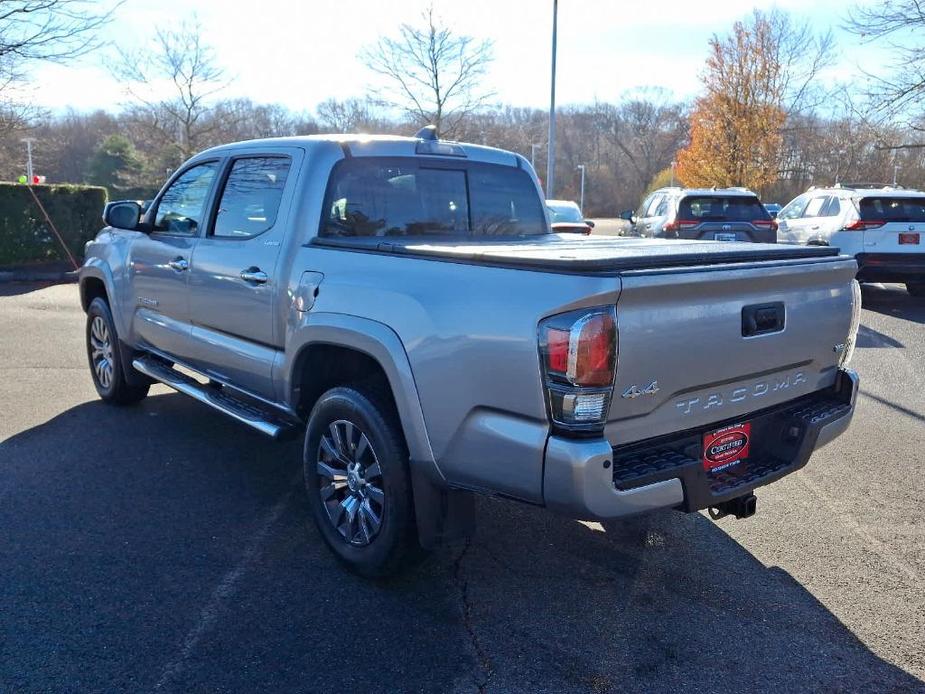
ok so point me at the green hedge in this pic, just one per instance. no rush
(24, 234)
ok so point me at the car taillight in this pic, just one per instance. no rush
(766, 223)
(862, 224)
(579, 355)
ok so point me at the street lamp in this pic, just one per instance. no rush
(29, 172)
(533, 148)
(581, 204)
(551, 154)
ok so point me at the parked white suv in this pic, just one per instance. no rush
(882, 227)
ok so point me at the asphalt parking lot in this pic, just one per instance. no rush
(165, 548)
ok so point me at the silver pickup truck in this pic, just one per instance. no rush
(403, 303)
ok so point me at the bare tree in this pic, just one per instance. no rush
(182, 59)
(350, 116)
(432, 74)
(47, 30)
(901, 24)
(39, 30)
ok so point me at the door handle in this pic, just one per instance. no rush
(815, 227)
(255, 275)
(179, 264)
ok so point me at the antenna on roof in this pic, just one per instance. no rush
(428, 132)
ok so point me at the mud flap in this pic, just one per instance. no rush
(132, 377)
(442, 515)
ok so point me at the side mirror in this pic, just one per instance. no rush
(122, 214)
(627, 215)
(590, 223)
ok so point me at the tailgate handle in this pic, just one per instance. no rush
(762, 319)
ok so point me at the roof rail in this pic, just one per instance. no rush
(862, 185)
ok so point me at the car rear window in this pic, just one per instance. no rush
(564, 213)
(720, 208)
(409, 196)
(891, 209)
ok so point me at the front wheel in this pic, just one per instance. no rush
(356, 474)
(106, 359)
(916, 288)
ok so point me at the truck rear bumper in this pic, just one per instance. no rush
(590, 480)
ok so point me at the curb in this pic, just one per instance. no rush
(30, 276)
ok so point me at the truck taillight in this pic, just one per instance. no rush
(579, 355)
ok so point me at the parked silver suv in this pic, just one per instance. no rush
(714, 214)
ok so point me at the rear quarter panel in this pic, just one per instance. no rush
(470, 334)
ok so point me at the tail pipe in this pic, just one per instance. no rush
(741, 507)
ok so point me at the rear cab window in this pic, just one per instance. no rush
(721, 208)
(892, 209)
(409, 196)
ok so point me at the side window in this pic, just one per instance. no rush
(652, 209)
(794, 208)
(662, 208)
(645, 206)
(181, 209)
(833, 209)
(250, 199)
(815, 206)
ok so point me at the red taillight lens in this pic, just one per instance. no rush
(596, 350)
(765, 224)
(579, 352)
(557, 350)
(687, 223)
(862, 224)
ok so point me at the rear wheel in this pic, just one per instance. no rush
(106, 359)
(356, 475)
(916, 288)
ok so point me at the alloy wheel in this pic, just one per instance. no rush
(350, 482)
(101, 351)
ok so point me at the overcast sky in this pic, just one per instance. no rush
(299, 53)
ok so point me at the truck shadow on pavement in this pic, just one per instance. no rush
(893, 300)
(163, 547)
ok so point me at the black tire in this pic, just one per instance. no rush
(916, 289)
(394, 544)
(109, 378)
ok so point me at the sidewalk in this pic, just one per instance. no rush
(38, 272)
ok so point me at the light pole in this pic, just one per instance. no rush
(29, 172)
(895, 169)
(551, 154)
(673, 165)
(533, 148)
(581, 204)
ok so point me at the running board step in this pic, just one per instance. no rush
(262, 418)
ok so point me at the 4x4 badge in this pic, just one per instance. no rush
(634, 391)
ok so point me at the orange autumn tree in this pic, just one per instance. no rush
(754, 77)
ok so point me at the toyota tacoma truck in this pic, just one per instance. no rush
(403, 305)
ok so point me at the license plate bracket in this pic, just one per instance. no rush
(726, 447)
(724, 237)
(909, 239)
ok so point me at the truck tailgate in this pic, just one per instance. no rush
(684, 331)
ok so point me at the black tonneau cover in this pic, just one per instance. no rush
(604, 254)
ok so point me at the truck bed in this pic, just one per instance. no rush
(605, 255)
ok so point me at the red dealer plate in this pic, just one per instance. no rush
(911, 239)
(726, 447)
